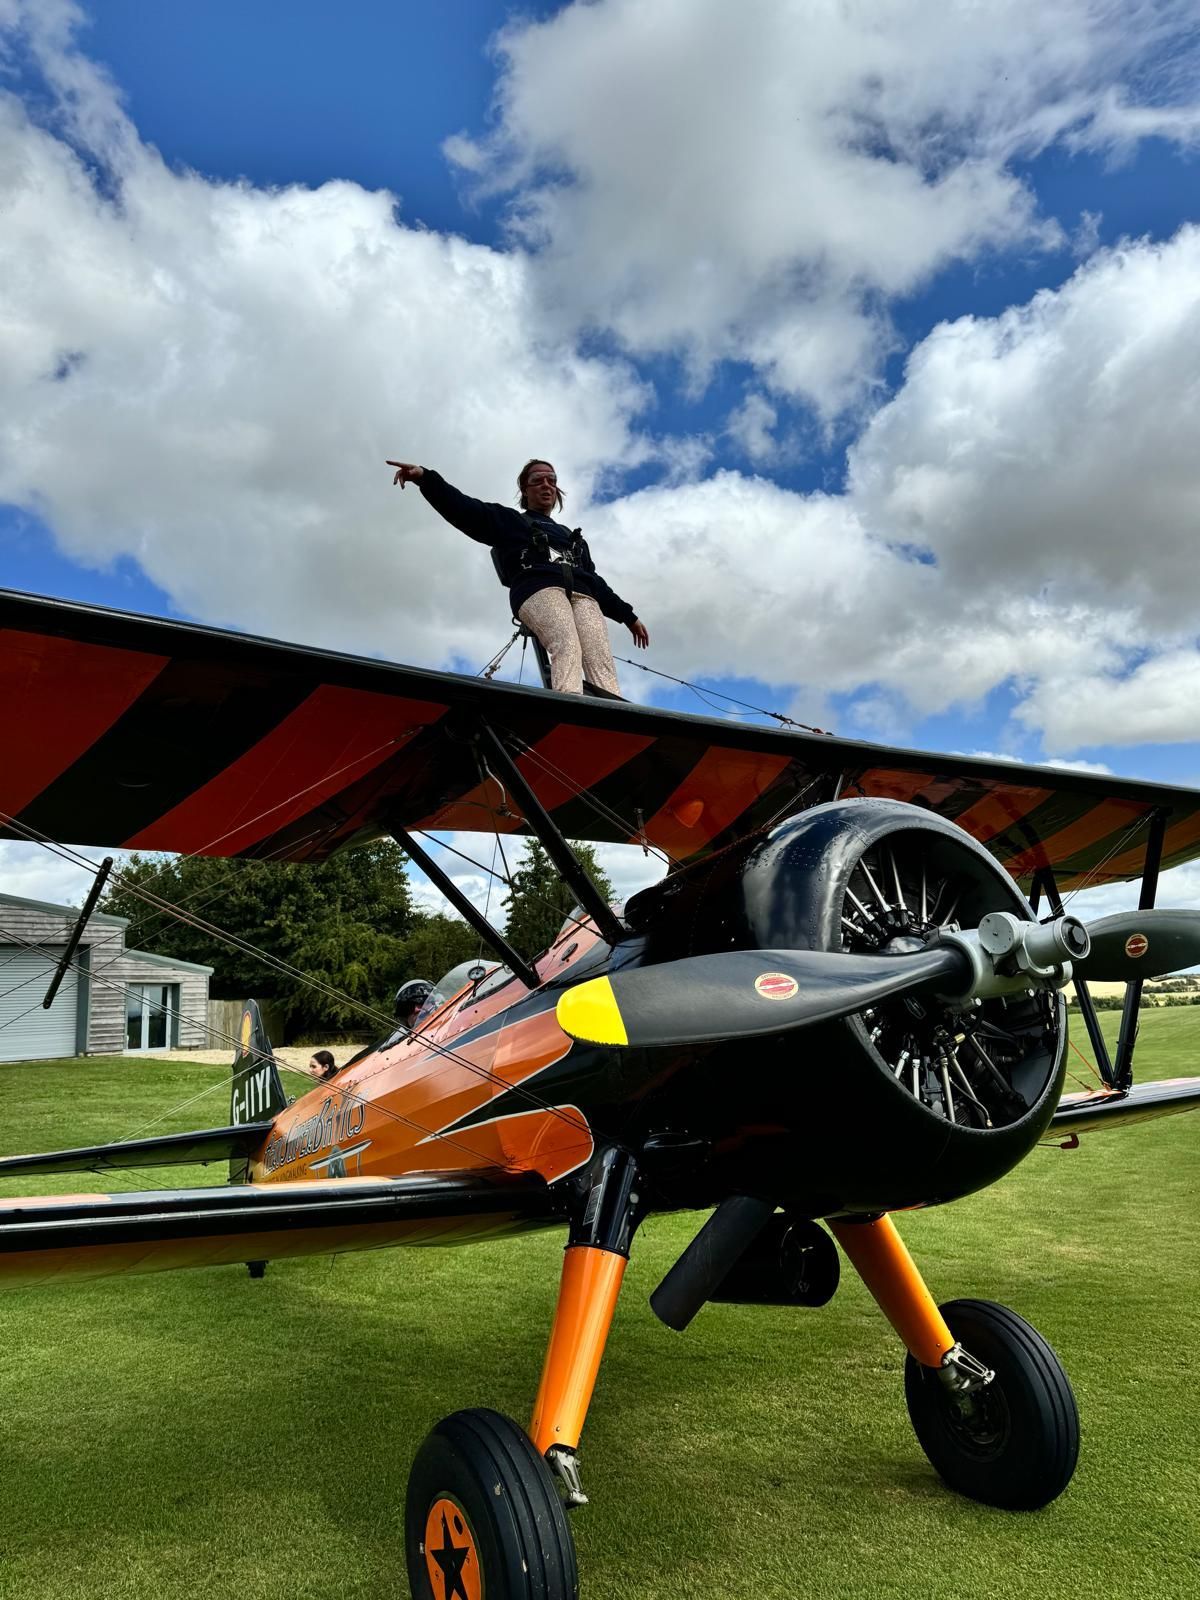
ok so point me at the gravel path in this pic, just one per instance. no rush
(287, 1055)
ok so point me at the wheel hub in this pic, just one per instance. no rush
(450, 1552)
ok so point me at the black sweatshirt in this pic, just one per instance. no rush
(514, 536)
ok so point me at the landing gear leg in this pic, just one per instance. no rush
(996, 1419)
(487, 1502)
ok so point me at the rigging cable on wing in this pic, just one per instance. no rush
(706, 695)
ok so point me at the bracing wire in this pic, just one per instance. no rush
(707, 696)
(633, 834)
(1122, 844)
(493, 666)
(578, 922)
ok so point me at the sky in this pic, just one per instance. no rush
(864, 340)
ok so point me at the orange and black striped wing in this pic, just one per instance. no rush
(133, 732)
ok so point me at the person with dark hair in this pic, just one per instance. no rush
(553, 584)
(322, 1065)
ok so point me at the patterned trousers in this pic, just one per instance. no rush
(575, 635)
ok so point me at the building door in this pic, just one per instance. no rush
(27, 1033)
(151, 1016)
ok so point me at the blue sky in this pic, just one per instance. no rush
(867, 354)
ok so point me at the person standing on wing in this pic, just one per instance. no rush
(552, 581)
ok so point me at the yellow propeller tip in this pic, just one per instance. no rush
(590, 1012)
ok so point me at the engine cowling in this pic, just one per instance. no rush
(914, 1101)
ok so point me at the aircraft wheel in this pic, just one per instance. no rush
(1013, 1443)
(484, 1516)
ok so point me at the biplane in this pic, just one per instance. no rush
(839, 1003)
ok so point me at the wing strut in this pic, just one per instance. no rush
(1118, 1075)
(1123, 1070)
(499, 945)
(81, 922)
(1044, 878)
(611, 928)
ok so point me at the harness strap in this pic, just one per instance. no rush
(539, 549)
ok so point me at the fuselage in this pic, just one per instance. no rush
(816, 1118)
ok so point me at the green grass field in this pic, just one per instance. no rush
(198, 1434)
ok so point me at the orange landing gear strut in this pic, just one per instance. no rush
(593, 1269)
(587, 1299)
(882, 1261)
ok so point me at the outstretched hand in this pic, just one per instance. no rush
(407, 472)
(640, 632)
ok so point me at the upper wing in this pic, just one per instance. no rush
(127, 731)
(97, 1235)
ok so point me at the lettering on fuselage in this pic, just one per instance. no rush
(332, 1124)
(253, 1099)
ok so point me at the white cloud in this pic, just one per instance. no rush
(208, 376)
(750, 426)
(1080, 766)
(1052, 761)
(35, 873)
(757, 182)
(1046, 460)
(1158, 702)
(1054, 445)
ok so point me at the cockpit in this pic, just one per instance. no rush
(482, 977)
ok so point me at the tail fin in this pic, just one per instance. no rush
(257, 1090)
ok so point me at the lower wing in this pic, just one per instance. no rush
(1111, 1108)
(97, 1235)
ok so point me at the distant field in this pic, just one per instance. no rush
(199, 1435)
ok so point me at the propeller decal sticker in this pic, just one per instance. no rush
(775, 986)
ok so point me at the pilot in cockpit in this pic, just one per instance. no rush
(412, 999)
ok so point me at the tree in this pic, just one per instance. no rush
(342, 923)
(539, 900)
(435, 945)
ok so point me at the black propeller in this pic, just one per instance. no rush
(1140, 944)
(742, 993)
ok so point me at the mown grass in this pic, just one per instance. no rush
(199, 1434)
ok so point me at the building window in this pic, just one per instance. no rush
(151, 1016)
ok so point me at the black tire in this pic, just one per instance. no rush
(1016, 1442)
(478, 1485)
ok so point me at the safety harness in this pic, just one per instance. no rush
(539, 552)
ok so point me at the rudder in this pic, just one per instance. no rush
(256, 1091)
